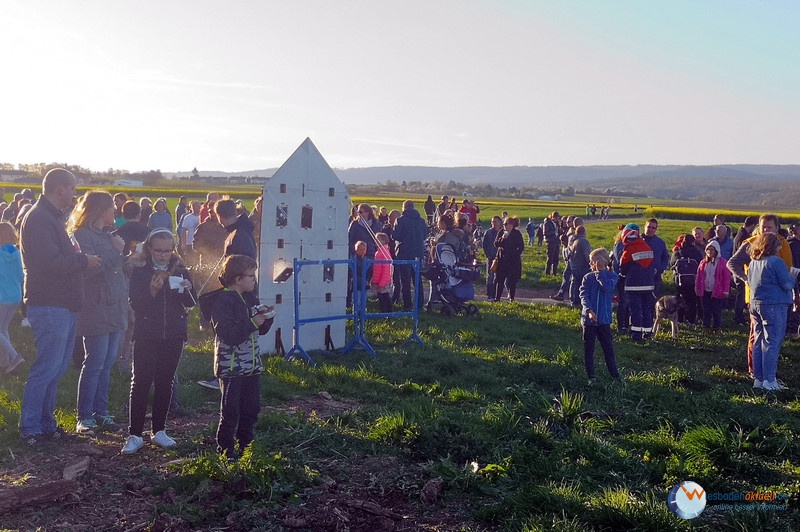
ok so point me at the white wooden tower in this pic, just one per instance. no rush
(305, 216)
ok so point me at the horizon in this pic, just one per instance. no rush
(447, 85)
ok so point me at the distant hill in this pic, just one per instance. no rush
(768, 185)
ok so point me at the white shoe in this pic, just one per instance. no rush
(161, 439)
(774, 386)
(133, 444)
(757, 384)
(25, 322)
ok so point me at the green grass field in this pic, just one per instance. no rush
(499, 408)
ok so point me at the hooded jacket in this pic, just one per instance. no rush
(10, 274)
(597, 293)
(722, 276)
(636, 265)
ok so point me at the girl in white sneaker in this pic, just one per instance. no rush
(160, 292)
(771, 287)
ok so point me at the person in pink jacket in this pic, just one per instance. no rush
(382, 273)
(712, 285)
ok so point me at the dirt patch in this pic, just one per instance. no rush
(116, 492)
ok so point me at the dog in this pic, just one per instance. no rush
(667, 309)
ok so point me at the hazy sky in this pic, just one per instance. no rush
(173, 85)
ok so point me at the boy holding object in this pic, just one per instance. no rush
(237, 362)
(596, 293)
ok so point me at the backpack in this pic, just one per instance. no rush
(685, 270)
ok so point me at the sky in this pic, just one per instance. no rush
(237, 86)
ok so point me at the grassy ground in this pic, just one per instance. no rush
(497, 407)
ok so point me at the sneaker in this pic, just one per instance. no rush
(25, 322)
(106, 422)
(211, 384)
(86, 426)
(132, 444)
(60, 436)
(774, 386)
(161, 439)
(557, 297)
(14, 365)
(757, 384)
(32, 440)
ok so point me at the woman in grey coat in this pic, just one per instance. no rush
(104, 316)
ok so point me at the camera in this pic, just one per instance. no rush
(258, 309)
(264, 310)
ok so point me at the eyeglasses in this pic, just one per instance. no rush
(161, 251)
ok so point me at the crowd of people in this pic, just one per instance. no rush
(113, 274)
(117, 274)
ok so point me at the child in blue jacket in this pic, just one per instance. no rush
(596, 293)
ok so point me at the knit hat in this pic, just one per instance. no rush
(630, 233)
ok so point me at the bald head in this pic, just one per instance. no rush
(58, 187)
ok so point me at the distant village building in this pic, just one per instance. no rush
(128, 183)
(11, 176)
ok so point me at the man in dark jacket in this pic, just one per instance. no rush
(409, 234)
(240, 239)
(53, 295)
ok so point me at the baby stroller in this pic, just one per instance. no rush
(453, 281)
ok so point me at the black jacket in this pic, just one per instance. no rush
(162, 316)
(240, 239)
(410, 231)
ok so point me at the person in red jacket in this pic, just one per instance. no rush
(636, 265)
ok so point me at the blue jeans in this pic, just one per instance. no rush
(769, 326)
(54, 334)
(101, 354)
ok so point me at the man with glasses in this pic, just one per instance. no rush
(54, 269)
(661, 254)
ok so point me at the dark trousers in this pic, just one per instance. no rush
(688, 311)
(566, 278)
(641, 304)
(154, 364)
(553, 252)
(575, 285)
(738, 304)
(712, 311)
(238, 412)
(385, 302)
(504, 278)
(406, 280)
(602, 333)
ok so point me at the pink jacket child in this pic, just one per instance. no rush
(722, 275)
(382, 273)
